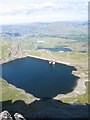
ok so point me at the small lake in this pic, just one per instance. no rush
(61, 49)
(39, 78)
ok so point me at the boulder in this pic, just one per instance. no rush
(5, 115)
(18, 116)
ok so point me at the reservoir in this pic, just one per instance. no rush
(61, 49)
(39, 78)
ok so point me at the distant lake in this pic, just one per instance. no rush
(61, 49)
(39, 78)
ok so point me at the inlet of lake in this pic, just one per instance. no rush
(39, 78)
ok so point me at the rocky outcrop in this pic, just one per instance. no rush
(5, 115)
(18, 116)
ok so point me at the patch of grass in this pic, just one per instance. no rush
(10, 93)
(82, 99)
(67, 57)
(4, 49)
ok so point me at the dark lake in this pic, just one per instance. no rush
(61, 49)
(40, 78)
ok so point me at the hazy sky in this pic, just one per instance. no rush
(27, 11)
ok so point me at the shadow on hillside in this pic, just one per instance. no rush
(46, 108)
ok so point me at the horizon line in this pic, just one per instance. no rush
(44, 22)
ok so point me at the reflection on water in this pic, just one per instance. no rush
(40, 78)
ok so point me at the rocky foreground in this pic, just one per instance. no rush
(44, 108)
(5, 115)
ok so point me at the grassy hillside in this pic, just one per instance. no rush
(10, 92)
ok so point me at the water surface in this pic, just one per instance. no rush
(40, 78)
(61, 49)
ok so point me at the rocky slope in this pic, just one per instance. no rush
(44, 108)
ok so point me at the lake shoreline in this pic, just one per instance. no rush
(37, 57)
(77, 91)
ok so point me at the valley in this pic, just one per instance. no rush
(41, 41)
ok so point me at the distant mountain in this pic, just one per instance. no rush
(10, 34)
(52, 29)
